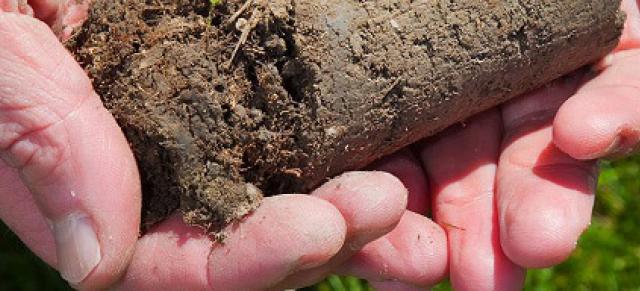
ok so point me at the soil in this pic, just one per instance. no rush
(222, 108)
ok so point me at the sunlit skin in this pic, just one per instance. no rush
(510, 189)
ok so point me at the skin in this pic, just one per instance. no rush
(63, 152)
(521, 173)
(527, 172)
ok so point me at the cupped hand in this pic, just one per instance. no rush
(70, 190)
(514, 187)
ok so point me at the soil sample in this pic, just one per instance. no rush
(225, 102)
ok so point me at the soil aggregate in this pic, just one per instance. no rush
(224, 105)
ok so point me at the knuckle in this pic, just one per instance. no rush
(10, 132)
(464, 199)
(453, 209)
(33, 142)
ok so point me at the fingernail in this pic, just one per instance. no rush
(604, 63)
(625, 143)
(77, 247)
(608, 60)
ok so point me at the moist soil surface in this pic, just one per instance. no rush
(224, 104)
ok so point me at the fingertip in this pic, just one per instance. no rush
(552, 246)
(286, 234)
(415, 252)
(588, 135)
(317, 226)
(45, 10)
(16, 6)
(606, 129)
(630, 38)
(430, 249)
(408, 169)
(603, 118)
(541, 231)
(371, 203)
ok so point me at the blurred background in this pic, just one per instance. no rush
(607, 257)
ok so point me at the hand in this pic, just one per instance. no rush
(70, 190)
(514, 187)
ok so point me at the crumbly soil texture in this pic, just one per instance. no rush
(224, 104)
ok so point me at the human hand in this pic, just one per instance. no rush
(514, 187)
(70, 190)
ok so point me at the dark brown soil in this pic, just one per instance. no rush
(318, 88)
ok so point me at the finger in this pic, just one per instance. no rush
(16, 6)
(70, 15)
(371, 203)
(414, 253)
(46, 10)
(603, 118)
(285, 234)
(63, 16)
(461, 166)
(69, 152)
(19, 212)
(544, 196)
(406, 167)
(631, 33)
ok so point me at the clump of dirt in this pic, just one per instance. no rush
(222, 104)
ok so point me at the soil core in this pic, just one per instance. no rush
(224, 104)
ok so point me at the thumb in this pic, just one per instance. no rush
(69, 152)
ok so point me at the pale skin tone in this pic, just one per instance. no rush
(517, 174)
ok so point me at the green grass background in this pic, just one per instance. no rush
(607, 257)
